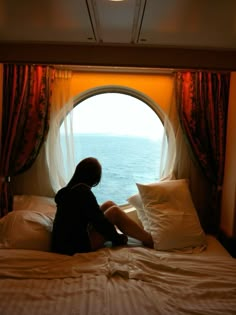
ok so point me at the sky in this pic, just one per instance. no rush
(116, 114)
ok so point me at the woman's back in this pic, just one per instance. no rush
(69, 233)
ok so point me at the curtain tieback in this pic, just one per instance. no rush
(5, 179)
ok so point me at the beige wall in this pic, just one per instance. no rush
(157, 87)
(228, 220)
(1, 89)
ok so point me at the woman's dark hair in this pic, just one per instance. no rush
(88, 171)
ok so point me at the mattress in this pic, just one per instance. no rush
(214, 247)
(122, 280)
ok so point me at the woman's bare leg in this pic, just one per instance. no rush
(127, 226)
(106, 205)
(96, 239)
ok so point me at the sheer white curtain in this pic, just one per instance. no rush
(176, 157)
(60, 146)
(169, 140)
(180, 162)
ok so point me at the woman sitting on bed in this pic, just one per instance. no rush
(81, 225)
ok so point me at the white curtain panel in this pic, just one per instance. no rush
(61, 112)
(168, 150)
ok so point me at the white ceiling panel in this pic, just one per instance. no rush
(189, 23)
(45, 20)
(160, 23)
(116, 21)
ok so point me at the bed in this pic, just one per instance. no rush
(131, 279)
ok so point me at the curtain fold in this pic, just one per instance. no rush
(168, 148)
(202, 105)
(59, 145)
(25, 122)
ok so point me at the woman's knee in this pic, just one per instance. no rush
(107, 204)
(113, 214)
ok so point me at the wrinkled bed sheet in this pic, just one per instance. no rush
(124, 280)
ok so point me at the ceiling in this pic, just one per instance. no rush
(196, 26)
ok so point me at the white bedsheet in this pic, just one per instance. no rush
(213, 248)
(125, 281)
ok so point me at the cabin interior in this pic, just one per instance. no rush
(138, 44)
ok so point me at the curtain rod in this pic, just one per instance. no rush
(112, 69)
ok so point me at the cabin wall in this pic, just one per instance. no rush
(1, 91)
(157, 87)
(228, 219)
(160, 89)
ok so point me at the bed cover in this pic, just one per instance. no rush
(124, 280)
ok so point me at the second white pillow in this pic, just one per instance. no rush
(172, 217)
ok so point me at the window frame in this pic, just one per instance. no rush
(136, 94)
(161, 115)
(122, 90)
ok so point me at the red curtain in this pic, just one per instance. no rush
(202, 104)
(25, 122)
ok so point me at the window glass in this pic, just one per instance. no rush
(125, 135)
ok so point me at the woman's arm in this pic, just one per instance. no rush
(95, 216)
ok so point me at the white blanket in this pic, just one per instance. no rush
(125, 281)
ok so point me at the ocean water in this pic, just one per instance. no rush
(125, 160)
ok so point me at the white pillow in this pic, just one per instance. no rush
(172, 217)
(26, 230)
(34, 203)
(137, 203)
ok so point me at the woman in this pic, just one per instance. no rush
(81, 225)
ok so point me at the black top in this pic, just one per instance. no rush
(76, 208)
